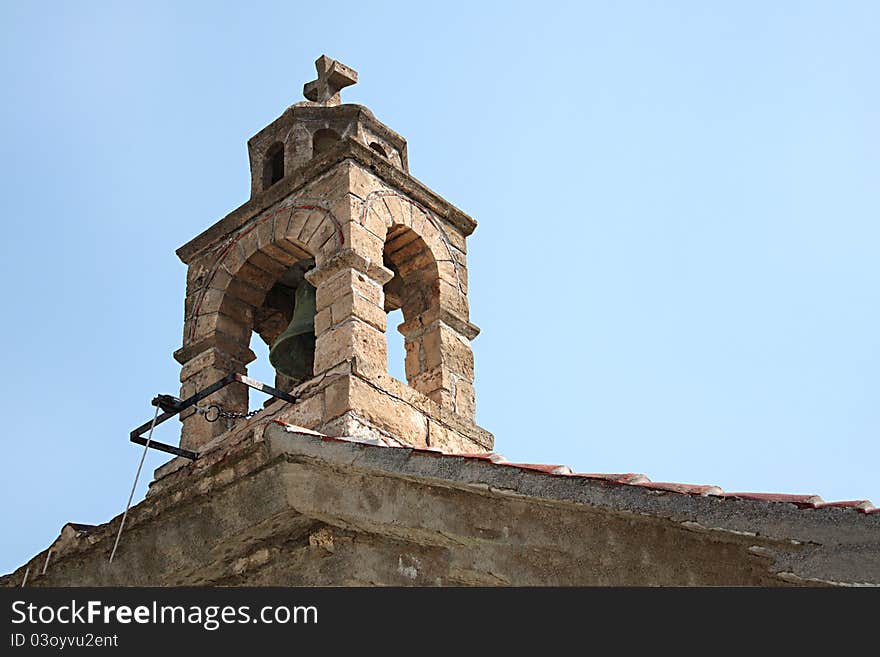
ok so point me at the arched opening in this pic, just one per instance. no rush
(378, 148)
(412, 291)
(279, 315)
(396, 346)
(273, 167)
(323, 140)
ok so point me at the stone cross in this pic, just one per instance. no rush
(332, 76)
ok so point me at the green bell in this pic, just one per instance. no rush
(293, 352)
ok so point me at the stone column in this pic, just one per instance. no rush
(203, 365)
(350, 317)
(439, 360)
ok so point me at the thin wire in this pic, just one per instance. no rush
(134, 485)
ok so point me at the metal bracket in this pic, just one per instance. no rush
(137, 434)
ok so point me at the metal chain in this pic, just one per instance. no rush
(214, 412)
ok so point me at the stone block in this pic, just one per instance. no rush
(435, 379)
(314, 221)
(453, 301)
(236, 310)
(346, 282)
(445, 347)
(284, 257)
(362, 241)
(353, 305)
(456, 239)
(402, 421)
(421, 224)
(351, 339)
(265, 228)
(450, 441)
(406, 255)
(399, 209)
(298, 221)
(336, 398)
(346, 258)
(331, 184)
(328, 249)
(211, 358)
(204, 302)
(361, 182)
(307, 412)
(443, 398)
(454, 275)
(281, 234)
(247, 241)
(218, 279)
(254, 276)
(326, 231)
(207, 325)
(323, 319)
(197, 431)
(373, 222)
(464, 399)
(247, 293)
(231, 258)
(414, 365)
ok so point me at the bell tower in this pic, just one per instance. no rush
(336, 234)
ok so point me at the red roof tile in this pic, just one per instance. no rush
(861, 505)
(804, 501)
(688, 489)
(627, 478)
(540, 467)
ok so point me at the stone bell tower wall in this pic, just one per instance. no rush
(379, 240)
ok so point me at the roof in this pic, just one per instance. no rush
(623, 479)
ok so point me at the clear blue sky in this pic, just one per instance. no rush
(676, 269)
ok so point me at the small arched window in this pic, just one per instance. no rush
(378, 148)
(323, 140)
(273, 168)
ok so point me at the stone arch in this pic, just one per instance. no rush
(386, 213)
(415, 287)
(231, 303)
(250, 262)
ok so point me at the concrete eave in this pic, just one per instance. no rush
(348, 149)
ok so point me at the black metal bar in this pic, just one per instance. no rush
(162, 447)
(262, 387)
(136, 435)
(146, 426)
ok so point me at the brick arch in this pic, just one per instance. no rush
(387, 212)
(415, 287)
(249, 263)
(393, 209)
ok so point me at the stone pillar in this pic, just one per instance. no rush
(202, 366)
(440, 362)
(350, 317)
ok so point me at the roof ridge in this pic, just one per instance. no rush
(625, 479)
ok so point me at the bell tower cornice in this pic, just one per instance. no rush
(347, 149)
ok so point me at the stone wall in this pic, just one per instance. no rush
(281, 508)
